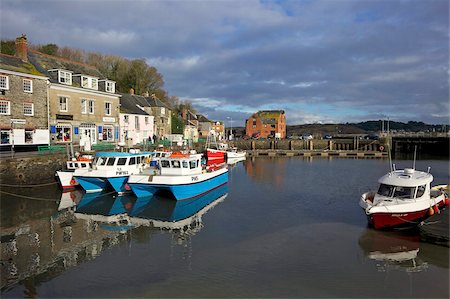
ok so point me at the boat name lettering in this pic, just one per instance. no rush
(194, 178)
(399, 215)
(121, 172)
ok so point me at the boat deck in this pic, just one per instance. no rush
(436, 228)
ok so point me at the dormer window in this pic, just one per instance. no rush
(65, 77)
(89, 82)
(110, 86)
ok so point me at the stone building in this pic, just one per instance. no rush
(266, 124)
(162, 114)
(83, 106)
(23, 100)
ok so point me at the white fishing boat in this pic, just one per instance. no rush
(235, 153)
(183, 175)
(404, 198)
(112, 169)
(65, 177)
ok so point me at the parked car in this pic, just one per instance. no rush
(307, 136)
(327, 136)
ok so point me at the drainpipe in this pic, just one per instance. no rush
(48, 112)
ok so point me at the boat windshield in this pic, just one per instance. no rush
(100, 161)
(386, 190)
(404, 192)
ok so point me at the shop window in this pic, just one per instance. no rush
(63, 133)
(5, 136)
(108, 133)
(29, 136)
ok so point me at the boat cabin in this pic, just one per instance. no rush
(404, 184)
(181, 164)
(72, 165)
(113, 159)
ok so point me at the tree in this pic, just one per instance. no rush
(177, 124)
(8, 47)
(50, 49)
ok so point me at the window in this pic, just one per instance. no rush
(100, 161)
(163, 110)
(29, 136)
(146, 120)
(185, 164)
(125, 119)
(386, 190)
(122, 161)
(404, 192)
(175, 164)
(91, 106)
(192, 164)
(28, 109)
(65, 77)
(111, 161)
(108, 107)
(89, 82)
(84, 106)
(108, 133)
(136, 122)
(83, 165)
(133, 161)
(63, 133)
(165, 164)
(420, 191)
(63, 104)
(27, 85)
(4, 82)
(5, 107)
(110, 86)
(5, 136)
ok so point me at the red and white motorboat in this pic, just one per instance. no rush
(404, 198)
(65, 177)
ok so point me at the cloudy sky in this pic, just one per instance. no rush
(320, 61)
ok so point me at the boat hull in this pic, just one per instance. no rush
(215, 154)
(184, 190)
(119, 184)
(92, 184)
(236, 155)
(66, 179)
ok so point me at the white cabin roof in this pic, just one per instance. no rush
(407, 177)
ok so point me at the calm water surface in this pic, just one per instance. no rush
(283, 227)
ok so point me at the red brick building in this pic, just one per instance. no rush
(267, 124)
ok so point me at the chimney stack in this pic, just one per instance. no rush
(22, 48)
(146, 94)
(131, 91)
(184, 113)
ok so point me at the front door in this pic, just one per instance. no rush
(88, 136)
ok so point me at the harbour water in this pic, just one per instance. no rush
(281, 227)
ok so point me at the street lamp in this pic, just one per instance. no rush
(231, 127)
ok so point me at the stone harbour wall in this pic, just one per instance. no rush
(30, 170)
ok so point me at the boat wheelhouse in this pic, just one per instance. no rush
(183, 175)
(112, 168)
(404, 198)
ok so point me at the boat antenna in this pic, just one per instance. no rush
(415, 151)
(390, 157)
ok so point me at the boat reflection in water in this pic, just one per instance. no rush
(170, 214)
(396, 250)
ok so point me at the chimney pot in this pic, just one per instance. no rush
(22, 48)
(131, 91)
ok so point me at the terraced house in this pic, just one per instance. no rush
(266, 124)
(83, 105)
(23, 101)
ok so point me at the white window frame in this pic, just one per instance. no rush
(25, 109)
(4, 82)
(66, 132)
(163, 111)
(126, 119)
(9, 133)
(67, 103)
(65, 77)
(91, 111)
(110, 86)
(94, 83)
(108, 108)
(7, 107)
(84, 106)
(136, 123)
(25, 86)
(89, 82)
(105, 129)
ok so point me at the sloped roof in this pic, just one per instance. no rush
(154, 102)
(129, 104)
(44, 62)
(15, 64)
(201, 118)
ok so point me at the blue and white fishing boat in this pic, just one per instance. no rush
(183, 175)
(112, 169)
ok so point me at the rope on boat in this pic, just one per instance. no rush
(29, 186)
(29, 197)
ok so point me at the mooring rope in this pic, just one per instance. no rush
(28, 197)
(29, 186)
